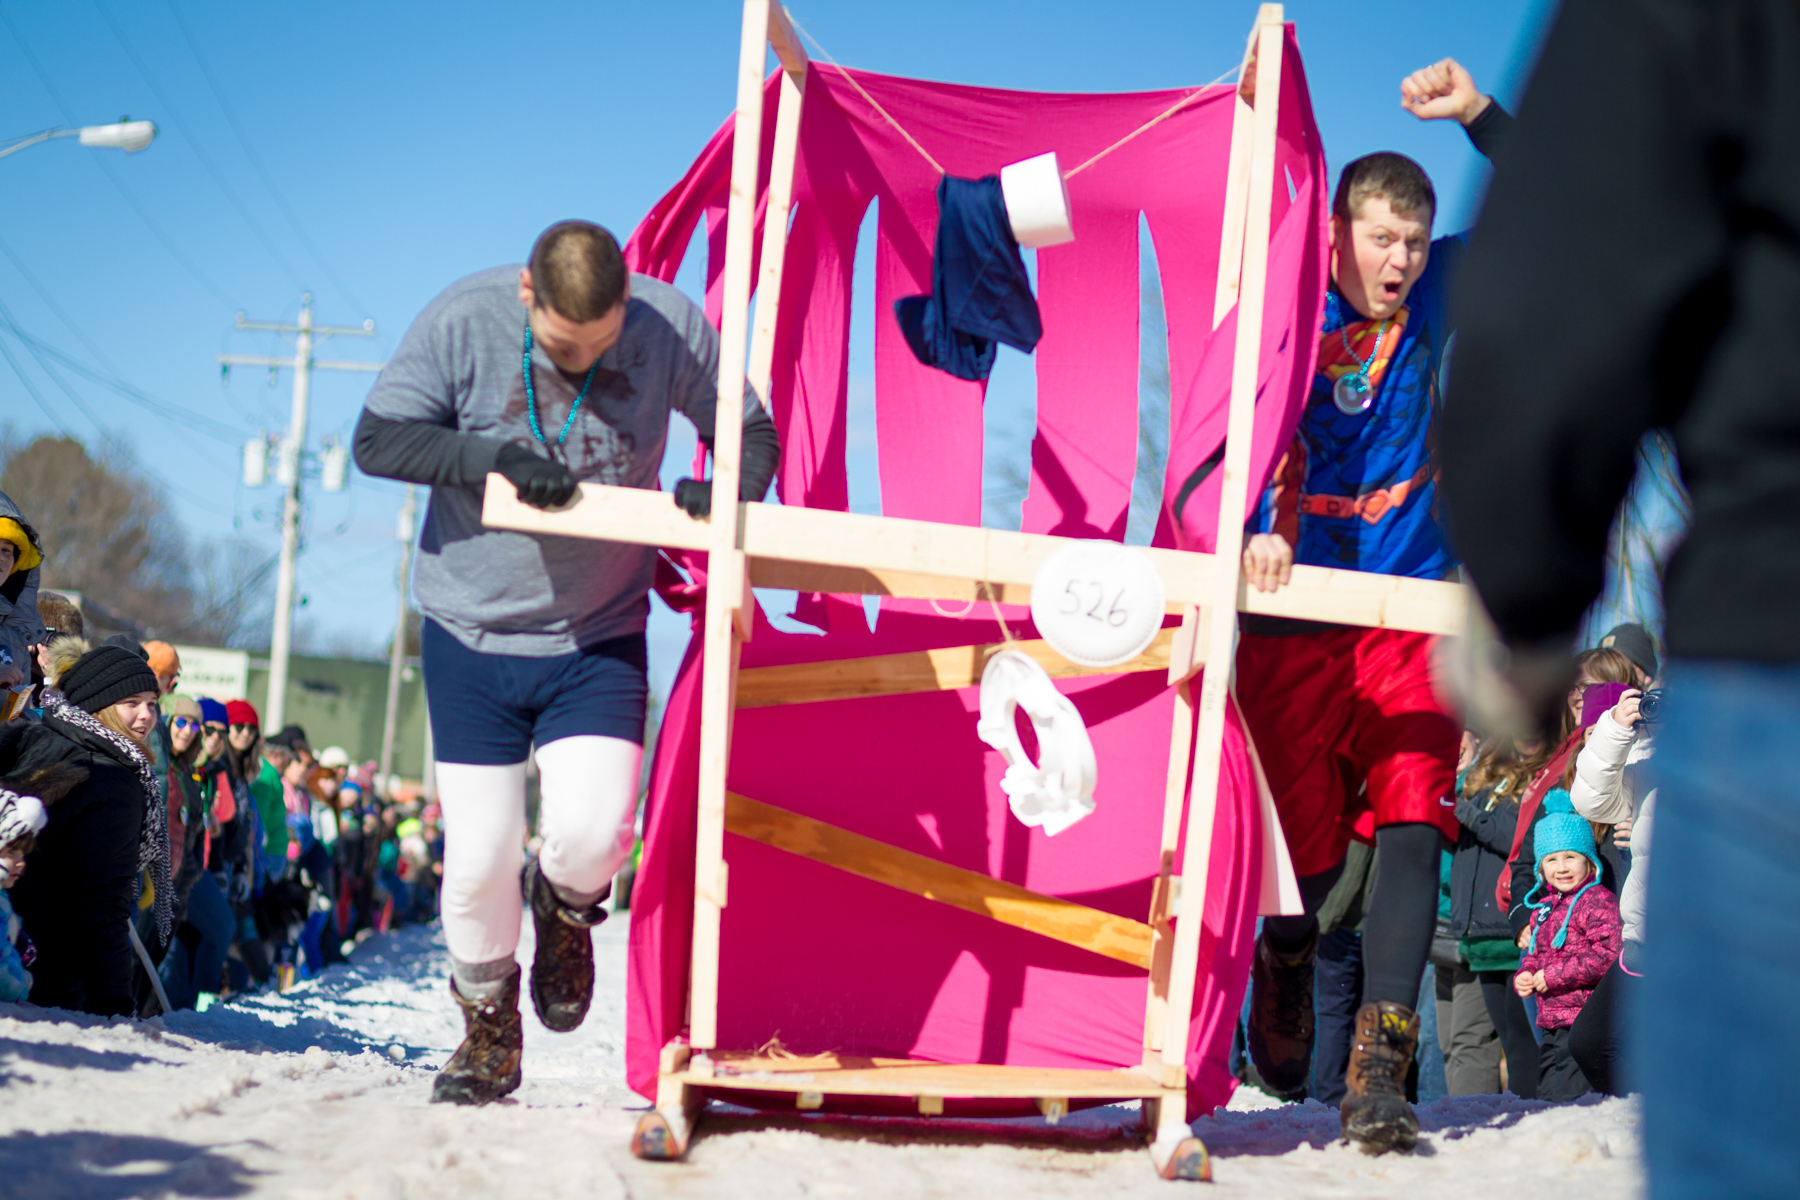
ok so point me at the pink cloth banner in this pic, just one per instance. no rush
(828, 961)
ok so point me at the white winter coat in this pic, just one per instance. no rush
(1612, 783)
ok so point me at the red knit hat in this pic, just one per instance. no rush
(241, 712)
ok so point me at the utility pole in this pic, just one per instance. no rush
(390, 726)
(289, 473)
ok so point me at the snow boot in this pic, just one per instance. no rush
(1280, 1033)
(562, 970)
(486, 1066)
(1375, 1114)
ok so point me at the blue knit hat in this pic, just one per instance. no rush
(212, 710)
(1561, 828)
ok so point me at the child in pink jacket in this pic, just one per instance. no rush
(1574, 939)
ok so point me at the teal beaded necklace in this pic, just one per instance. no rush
(531, 396)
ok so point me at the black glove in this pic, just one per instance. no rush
(542, 482)
(695, 495)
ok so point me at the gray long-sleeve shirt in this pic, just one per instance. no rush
(454, 393)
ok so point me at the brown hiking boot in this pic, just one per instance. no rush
(562, 969)
(1375, 1114)
(1280, 1032)
(486, 1066)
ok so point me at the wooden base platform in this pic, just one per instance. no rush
(845, 1075)
(664, 1133)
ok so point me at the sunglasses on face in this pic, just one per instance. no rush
(183, 723)
(235, 728)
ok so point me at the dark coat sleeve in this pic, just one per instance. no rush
(1635, 154)
(80, 884)
(104, 888)
(1493, 828)
(1524, 876)
(1489, 131)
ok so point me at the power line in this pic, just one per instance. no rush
(192, 420)
(206, 161)
(41, 403)
(256, 162)
(254, 579)
(187, 264)
(77, 401)
(56, 308)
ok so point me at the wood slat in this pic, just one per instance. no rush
(786, 43)
(832, 1074)
(861, 581)
(1227, 584)
(852, 552)
(943, 669)
(618, 514)
(727, 596)
(1103, 933)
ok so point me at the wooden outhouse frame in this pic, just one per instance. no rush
(813, 550)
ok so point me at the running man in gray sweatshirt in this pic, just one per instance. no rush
(560, 371)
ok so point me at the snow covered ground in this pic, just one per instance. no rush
(322, 1093)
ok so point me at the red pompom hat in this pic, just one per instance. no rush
(241, 712)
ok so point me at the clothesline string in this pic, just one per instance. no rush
(1158, 119)
(873, 103)
(926, 154)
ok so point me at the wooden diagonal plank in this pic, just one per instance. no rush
(943, 669)
(850, 549)
(1103, 933)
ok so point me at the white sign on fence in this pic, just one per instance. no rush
(220, 674)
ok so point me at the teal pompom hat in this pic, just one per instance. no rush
(1561, 828)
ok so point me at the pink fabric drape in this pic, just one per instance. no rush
(827, 961)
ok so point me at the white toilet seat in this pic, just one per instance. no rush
(1058, 790)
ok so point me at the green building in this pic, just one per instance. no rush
(343, 702)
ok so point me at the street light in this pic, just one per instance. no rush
(129, 136)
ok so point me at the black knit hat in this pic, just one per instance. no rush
(104, 676)
(1635, 643)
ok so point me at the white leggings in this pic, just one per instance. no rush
(589, 788)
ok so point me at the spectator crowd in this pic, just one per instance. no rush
(1541, 900)
(159, 850)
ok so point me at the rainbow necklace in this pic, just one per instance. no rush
(1353, 393)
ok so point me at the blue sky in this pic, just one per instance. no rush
(373, 153)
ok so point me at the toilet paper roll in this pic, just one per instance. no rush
(1037, 203)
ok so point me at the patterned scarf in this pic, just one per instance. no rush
(153, 840)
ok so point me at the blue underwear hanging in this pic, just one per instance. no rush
(980, 293)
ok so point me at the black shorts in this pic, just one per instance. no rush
(489, 709)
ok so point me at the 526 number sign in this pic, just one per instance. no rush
(1075, 592)
(1098, 603)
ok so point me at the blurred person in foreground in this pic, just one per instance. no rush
(1638, 266)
